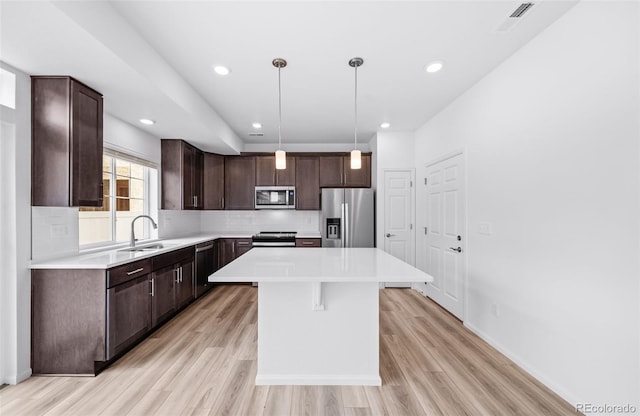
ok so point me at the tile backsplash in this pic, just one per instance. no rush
(264, 220)
(54, 231)
(172, 224)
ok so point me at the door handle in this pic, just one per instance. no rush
(390, 235)
(459, 250)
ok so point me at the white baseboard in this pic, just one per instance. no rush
(315, 380)
(560, 391)
(17, 378)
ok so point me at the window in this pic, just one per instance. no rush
(130, 189)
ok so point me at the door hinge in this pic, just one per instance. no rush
(425, 181)
(410, 184)
(411, 226)
(425, 230)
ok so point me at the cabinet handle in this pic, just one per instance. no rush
(243, 243)
(180, 274)
(307, 243)
(135, 271)
(153, 286)
(196, 204)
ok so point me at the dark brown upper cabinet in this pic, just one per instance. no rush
(239, 182)
(213, 189)
(268, 175)
(307, 183)
(66, 143)
(336, 172)
(182, 173)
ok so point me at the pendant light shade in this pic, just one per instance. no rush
(356, 159)
(281, 156)
(281, 159)
(356, 155)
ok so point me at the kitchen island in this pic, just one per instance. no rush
(318, 311)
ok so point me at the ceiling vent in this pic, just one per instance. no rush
(522, 9)
(516, 16)
(256, 134)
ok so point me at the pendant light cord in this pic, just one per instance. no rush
(279, 111)
(355, 126)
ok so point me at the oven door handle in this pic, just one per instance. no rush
(273, 244)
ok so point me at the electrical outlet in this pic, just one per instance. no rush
(485, 228)
(59, 230)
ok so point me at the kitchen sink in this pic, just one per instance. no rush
(149, 247)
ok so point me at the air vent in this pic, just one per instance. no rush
(514, 18)
(256, 134)
(522, 9)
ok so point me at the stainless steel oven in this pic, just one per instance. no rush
(275, 197)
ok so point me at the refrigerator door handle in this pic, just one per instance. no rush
(347, 232)
(343, 224)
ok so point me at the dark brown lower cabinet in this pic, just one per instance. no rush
(82, 320)
(232, 248)
(128, 317)
(185, 283)
(163, 302)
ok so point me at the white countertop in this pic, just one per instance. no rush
(276, 264)
(106, 259)
(115, 257)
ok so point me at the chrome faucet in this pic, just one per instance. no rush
(132, 243)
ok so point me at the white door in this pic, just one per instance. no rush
(398, 218)
(445, 239)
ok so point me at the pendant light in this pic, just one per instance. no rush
(281, 156)
(356, 155)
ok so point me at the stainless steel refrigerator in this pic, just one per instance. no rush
(347, 217)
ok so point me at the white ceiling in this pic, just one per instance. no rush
(154, 59)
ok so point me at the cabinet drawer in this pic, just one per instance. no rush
(128, 271)
(172, 257)
(308, 242)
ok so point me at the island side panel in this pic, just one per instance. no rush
(301, 346)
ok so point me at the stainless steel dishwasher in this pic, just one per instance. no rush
(205, 261)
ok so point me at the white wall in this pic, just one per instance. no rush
(393, 151)
(551, 140)
(122, 136)
(15, 241)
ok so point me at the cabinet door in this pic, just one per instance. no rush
(184, 286)
(286, 177)
(239, 182)
(163, 303)
(197, 178)
(129, 314)
(227, 251)
(265, 170)
(213, 187)
(307, 183)
(268, 175)
(86, 146)
(66, 143)
(242, 245)
(188, 182)
(331, 171)
(358, 178)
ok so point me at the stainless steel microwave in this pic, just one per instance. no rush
(275, 197)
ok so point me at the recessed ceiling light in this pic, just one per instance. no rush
(256, 125)
(147, 121)
(385, 125)
(434, 67)
(221, 70)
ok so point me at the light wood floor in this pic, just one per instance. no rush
(204, 362)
